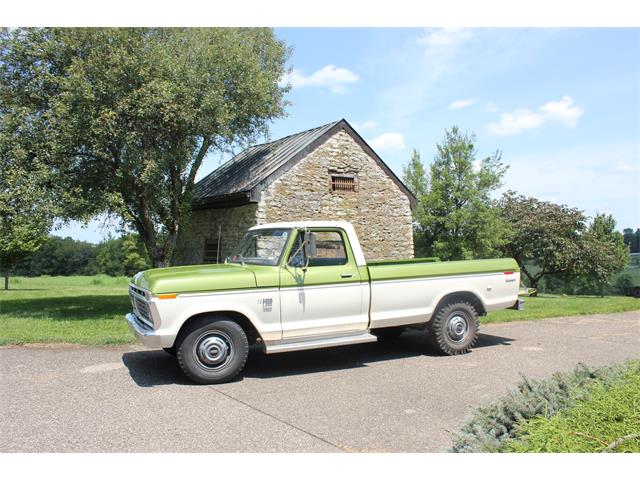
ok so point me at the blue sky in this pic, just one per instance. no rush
(563, 105)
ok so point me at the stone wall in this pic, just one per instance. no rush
(204, 225)
(379, 210)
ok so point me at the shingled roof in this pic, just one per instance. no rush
(241, 180)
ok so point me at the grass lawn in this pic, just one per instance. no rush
(90, 310)
(547, 305)
(606, 419)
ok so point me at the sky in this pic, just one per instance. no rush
(562, 105)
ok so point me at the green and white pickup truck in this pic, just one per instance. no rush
(302, 285)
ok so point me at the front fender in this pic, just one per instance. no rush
(260, 306)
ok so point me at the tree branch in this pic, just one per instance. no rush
(206, 143)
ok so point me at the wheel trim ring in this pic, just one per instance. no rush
(457, 327)
(213, 350)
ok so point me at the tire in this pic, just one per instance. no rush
(454, 329)
(170, 350)
(213, 350)
(389, 333)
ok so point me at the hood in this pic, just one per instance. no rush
(195, 278)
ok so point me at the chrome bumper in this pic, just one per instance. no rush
(145, 335)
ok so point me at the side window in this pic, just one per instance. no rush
(330, 250)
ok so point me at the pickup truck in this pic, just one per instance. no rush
(302, 285)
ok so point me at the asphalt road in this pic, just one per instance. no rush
(393, 397)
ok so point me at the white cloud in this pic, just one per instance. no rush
(328, 76)
(516, 122)
(366, 125)
(437, 39)
(388, 142)
(564, 111)
(459, 104)
(490, 107)
(625, 166)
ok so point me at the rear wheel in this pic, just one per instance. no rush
(454, 329)
(213, 351)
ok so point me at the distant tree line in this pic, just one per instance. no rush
(632, 239)
(65, 256)
(556, 246)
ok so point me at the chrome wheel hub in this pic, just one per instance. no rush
(213, 350)
(457, 328)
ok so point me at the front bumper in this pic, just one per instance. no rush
(145, 335)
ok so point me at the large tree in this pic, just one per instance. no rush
(28, 205)
(26, 210)
(456, 218)
(128, 115)
(546, 239)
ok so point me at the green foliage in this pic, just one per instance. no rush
(490, 426)
(548, 239)
(606, 418)
(632, 239)
(415, 177)
(61, 256)
(603, 252)
(624, 281)
(543, 234)
(66, 256)
(26, 208)
(456, 217)
(125, 117)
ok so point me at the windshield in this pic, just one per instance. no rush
(261, 247)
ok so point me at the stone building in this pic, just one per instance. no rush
(327, 173)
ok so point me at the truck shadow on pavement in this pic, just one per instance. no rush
(150, 368)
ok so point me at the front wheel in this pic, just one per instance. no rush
(213, 351)
(454, 329)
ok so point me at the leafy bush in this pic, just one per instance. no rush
(623, 281)
(607, 419)
(489, 426)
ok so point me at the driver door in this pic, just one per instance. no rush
(326, 297)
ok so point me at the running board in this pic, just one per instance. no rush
(309, 344)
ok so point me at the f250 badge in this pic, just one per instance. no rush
(267, 304)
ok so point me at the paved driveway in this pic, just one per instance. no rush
(398, 396)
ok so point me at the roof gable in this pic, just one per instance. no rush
(241, 179)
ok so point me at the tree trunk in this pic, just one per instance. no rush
(6, 280)
(534, 284)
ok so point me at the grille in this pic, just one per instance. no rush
(140, 306)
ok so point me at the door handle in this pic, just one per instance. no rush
(346, 275)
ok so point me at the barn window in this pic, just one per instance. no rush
(343, 183)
